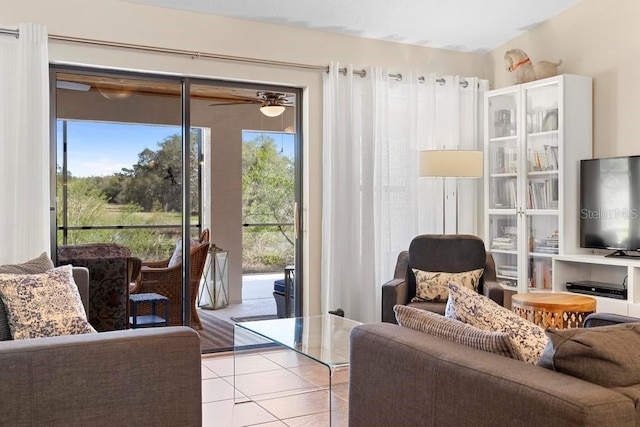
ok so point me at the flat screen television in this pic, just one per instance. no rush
(610, 205)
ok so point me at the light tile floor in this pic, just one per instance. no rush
(278, 387)
(283, 387)
(257, 297)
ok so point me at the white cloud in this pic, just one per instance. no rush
(97, 167)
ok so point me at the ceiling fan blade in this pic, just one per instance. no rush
(62, 84)
(246, 102)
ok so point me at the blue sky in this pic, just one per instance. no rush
(283, 141)
(99, 149)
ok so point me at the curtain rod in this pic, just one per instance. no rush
(9, 31)
(183, 52)
(198, 55)
(363, 73)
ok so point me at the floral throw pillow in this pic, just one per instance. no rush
(432, 285)
(43, 305)
(528, 339)
(37, 265)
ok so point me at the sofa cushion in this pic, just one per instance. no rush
(432, 285)
(465, 305)
(36, 265)
(454, 330)
(5, 332)
(42, 305)
(604, 355)
(434, 307)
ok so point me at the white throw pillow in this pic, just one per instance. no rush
(528, 339)
(432, 285)
(43, 305)
(176, 257)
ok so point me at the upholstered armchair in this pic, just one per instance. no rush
(165, 278)
(454, 253)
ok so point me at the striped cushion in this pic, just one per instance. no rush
(35, 266)
(454, 330)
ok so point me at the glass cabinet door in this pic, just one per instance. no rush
(503, 230)
(503, 164)
(542, 181)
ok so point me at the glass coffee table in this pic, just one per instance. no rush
(323, 339)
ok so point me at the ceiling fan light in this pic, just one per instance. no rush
(115, 93)
(272, 110)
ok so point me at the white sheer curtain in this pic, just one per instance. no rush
(373, 201)
(24, 144)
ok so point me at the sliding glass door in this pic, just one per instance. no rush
(119, 171)
(119, 162)
(253, 168)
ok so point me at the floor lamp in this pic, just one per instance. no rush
(450, 164)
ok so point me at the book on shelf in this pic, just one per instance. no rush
(499, 161)
(540, 274)
(543, 193)
(509, 283)
(507, 270)
(504, 160)
(504, 192)
(543, 160)
(505, 242)
(549, 245)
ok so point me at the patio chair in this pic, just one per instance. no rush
(110, 268)
(165, 278)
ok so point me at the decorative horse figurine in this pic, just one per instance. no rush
(517, 60)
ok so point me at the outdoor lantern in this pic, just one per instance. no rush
(214, 293)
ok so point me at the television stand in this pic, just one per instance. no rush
(573, 268)
(622, 254)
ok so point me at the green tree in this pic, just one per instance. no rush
(268, 197)
(111, 186)
(155, 182)
(85, 205)
(147, 193)
(267, 183)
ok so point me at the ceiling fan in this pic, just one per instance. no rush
(272, 104)
(109, 91)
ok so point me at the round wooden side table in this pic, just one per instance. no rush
(553, 310)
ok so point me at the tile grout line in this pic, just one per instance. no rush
(276, 395)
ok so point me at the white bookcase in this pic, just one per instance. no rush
(535, 135)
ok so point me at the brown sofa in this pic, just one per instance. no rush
(120, 378)
(402, 377)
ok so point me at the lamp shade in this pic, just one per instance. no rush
(451, 163)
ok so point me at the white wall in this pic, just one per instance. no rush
(599, 39)
(137, 24)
